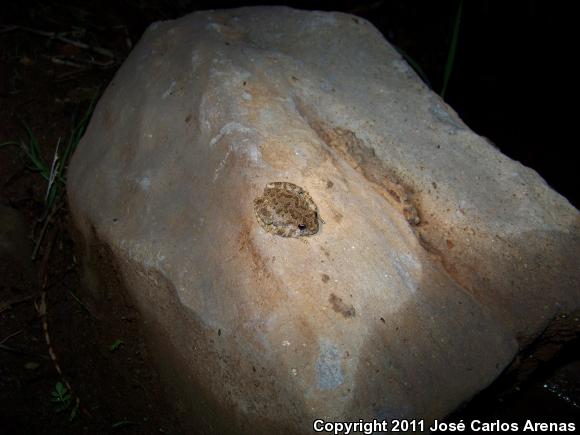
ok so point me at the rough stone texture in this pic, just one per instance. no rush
(439, 258)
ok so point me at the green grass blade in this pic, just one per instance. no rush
(452, 50)
(78, 130)
(55, 173)
(32, 150)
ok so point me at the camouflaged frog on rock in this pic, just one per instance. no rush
(286, 210)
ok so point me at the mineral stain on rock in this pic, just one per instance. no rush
(286, 210)
(341, 307)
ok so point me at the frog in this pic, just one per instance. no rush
(287, 210)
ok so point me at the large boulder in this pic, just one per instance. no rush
(426, 261)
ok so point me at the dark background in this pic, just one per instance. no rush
(512, 81)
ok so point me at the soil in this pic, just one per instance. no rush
(47, 84)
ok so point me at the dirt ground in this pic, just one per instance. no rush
(46, 85)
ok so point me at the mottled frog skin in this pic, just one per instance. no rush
(286, 210)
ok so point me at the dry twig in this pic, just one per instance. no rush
(53, 35)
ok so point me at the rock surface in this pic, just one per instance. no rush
(436, 260)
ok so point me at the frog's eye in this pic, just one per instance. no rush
(301, 227)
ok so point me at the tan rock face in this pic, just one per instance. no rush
(435, 259)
